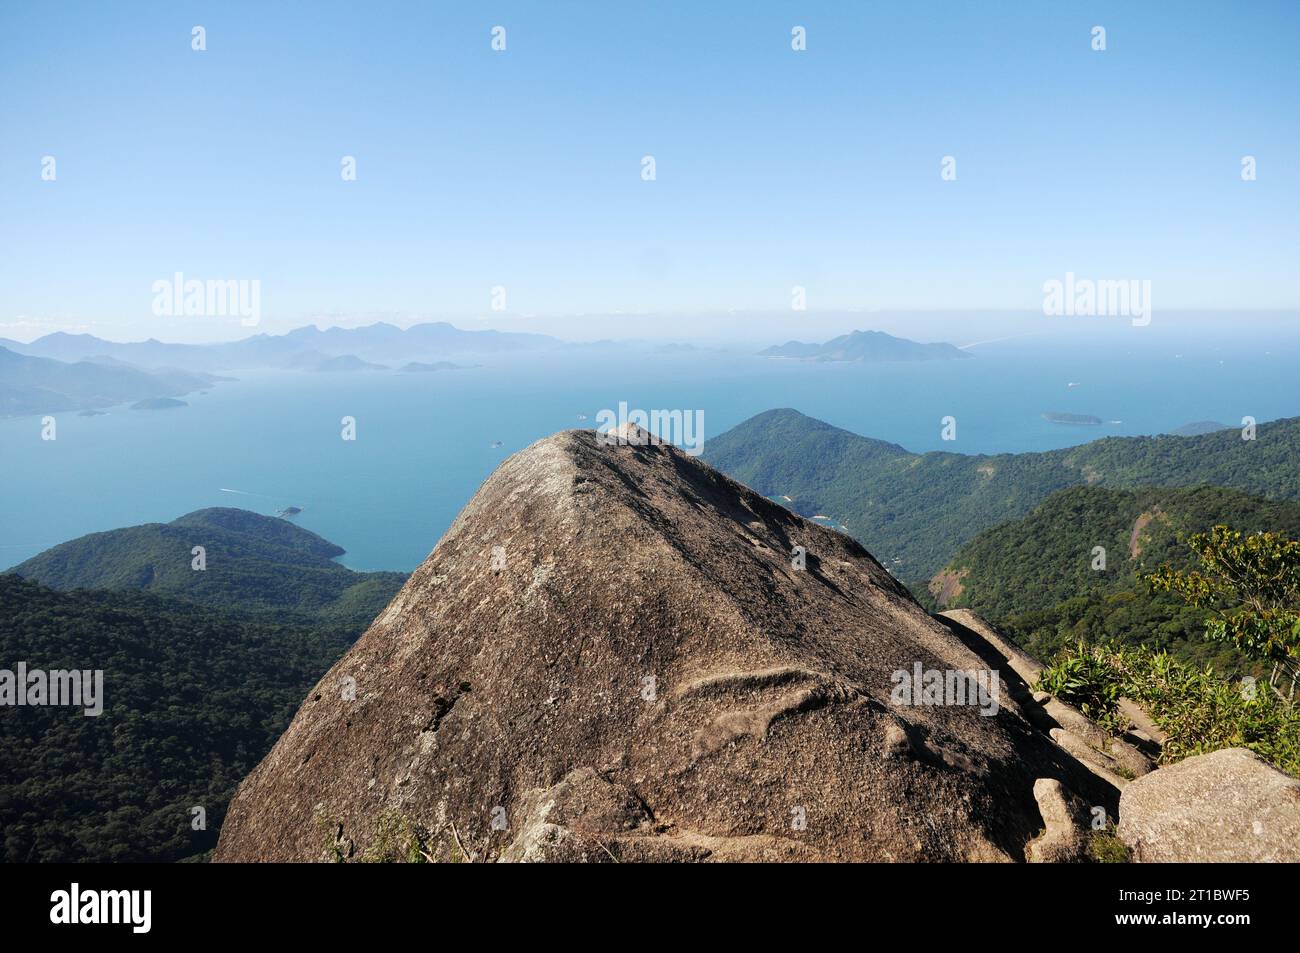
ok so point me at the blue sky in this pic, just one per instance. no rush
(522, 168)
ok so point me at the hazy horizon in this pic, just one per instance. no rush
(738, 329)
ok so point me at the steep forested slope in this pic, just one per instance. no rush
(193, 698)
(914, 511)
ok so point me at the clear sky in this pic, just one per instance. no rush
(522, 168)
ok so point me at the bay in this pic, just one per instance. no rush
(425, 441)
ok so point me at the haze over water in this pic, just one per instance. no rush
(424, 441)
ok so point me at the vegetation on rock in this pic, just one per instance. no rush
(1199, 709)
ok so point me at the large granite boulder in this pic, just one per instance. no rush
(1230, 805)
(617, 652)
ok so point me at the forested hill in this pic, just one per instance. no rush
(914, 511)
(193, 697)
(202, 670)
(1049, 556)
(251, 562)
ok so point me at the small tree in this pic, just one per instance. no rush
(1252, 584)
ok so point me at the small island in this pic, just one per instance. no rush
(415, 367)
(1060, 418)
(92, 413)
(289, 511)
(864, 347)
(158, 403)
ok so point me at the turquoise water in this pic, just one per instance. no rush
(424, 441)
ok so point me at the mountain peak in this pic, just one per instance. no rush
(617, 650)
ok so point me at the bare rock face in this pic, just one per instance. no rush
(618, 653)
(1022, 663)
(1066, 817)
(1230, 805)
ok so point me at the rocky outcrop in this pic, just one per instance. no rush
(1066, 819)
(1143, 732)
(1230, 805)
(1113, 761)
(618, 653)
(1093, 757)
(1013, 657)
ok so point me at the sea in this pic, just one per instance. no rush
(424, 442)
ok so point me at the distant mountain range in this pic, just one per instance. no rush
(40, 385)
(62, 372)
(914, 511)
(865, 346)
(304, 347)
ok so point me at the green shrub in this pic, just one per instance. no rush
(1200, 710)
(397, 840)
(1084, 678)
(1105, 847)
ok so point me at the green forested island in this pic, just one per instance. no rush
(865, 347)
(1058, 417)
(249, 561)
